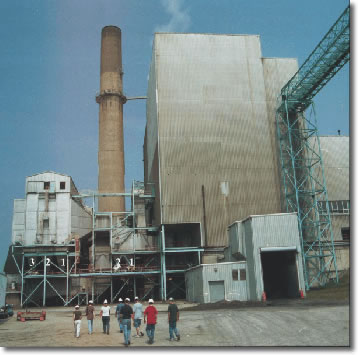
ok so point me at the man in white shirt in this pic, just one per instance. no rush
(105, 313)
(137, 316)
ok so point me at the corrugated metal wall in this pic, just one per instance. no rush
(194, 285)
(3, 283)
(151, 156)
(270, 231)
(81, 221)
(45, 215)
(197, 282)
(277, 72)
(214, 129)
(335, 155)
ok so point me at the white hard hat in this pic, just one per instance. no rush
(151, 300)
(171, 299)
(136, 298)
(127, 299)
(77, 306)
(120, 300)
(90, 301)
(105, 301)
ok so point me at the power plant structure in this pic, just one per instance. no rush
(221, 213)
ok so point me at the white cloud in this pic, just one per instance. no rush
(180, 19)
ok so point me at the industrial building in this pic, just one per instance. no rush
(264, 257)
(209, 221)
(210, 144)
(335, 154)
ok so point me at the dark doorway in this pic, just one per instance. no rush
(280, 275)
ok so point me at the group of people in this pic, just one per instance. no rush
(126, 314)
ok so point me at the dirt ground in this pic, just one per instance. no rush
(275, 325)
(321, 319)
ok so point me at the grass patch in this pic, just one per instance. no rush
(332, 291)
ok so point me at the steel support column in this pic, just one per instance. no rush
(44, 281)
(163, 266)
(67, 278)
(22, 279)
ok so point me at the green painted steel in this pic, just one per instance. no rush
(302, 169)
(329, 56)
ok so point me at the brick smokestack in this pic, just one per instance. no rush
(111, 100)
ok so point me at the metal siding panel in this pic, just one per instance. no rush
(335, 155)
(277, 71)
(194, 285)
(250, 259)
(81, 221)
(339, 222)
(3, 283)
(279, 230)
(274, 231)
(234, 290)
(213, 125)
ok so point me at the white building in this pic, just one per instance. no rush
(49, 214)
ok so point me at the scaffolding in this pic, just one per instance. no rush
(302, 167)
(45, 268)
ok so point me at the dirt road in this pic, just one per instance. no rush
(287, 325)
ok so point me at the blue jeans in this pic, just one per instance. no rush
(173, 329)
(126, 330)
(90, 326)
(120, 324)
(105, 321)
(150, 329)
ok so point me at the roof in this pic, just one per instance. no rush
(215, 264)
(49, 172)
(262, 215)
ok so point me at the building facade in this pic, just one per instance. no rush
(48, 214)
(210, 143)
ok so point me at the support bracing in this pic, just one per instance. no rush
(302, 168)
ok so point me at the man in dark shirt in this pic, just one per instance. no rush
(173, 318)
(77, 316)
(126, 314)
(118, 312)
(90, 316)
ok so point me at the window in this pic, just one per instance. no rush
(62, 185)
(46, 223)
(335, 207)
(243, 274)
(235, 275)
(46, 185)
(346, 235)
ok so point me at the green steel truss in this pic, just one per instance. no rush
(302, 169)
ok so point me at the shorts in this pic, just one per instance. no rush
(137, 322)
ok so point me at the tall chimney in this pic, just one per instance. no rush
(111, 100)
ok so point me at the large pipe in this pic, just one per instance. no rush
(111, 100)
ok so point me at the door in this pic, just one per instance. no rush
(217, 291)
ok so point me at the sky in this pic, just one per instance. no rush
(50, 67)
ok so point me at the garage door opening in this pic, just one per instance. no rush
(280, 275)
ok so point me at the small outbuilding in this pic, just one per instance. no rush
(208, 283)
(263, 259)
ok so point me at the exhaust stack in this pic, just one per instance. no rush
(111, 142)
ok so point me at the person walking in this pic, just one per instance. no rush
(105, 314)
(90, 316)
(126, 315)
(173, 318)
(150, 317)
(118, 312)
(77, 316)
(137, 317)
